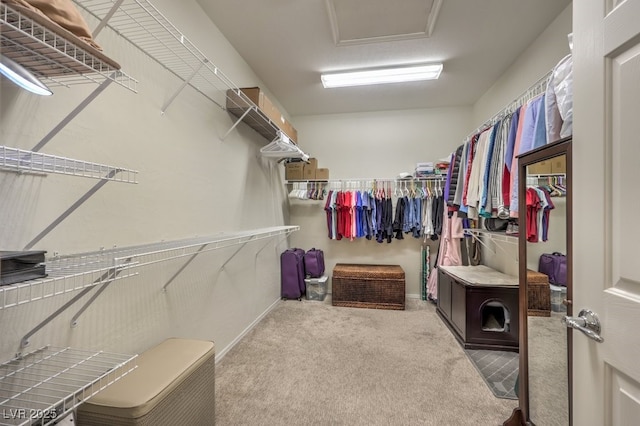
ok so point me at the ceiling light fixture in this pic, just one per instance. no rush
(382, 76)
(23, 78)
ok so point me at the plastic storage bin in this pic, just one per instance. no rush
(558, 294)
(316, 288)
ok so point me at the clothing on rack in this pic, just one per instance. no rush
(308, 191)
(371, 214)
(449, 250)
(539, 205)
(559, 101)
(483, 174)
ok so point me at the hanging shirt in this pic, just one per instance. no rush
(559, 101)
(328, 211)
(513, 204)
(485, 197)
(546, 216)
(399, 218)
(427, 222)
(497, 202)
(470, 158)
(415, 224)
(477, 170)
(533, 206)
(358, 215)
(508, 159)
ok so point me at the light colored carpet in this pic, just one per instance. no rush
(309, 363)
(548, 374)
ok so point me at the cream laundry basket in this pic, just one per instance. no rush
(173, 385)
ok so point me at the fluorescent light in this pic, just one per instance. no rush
(381, 76)
(23, 78)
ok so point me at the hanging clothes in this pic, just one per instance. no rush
(513, 185)
(559, 101)
(399, 218)
(453, 177)
(498, 169)
(484, 207)
(448, 251)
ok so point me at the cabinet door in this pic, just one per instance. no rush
(444, 294)
(458, 307)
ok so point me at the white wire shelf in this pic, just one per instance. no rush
(78, 271)
(56, 60)
(39, 387)
(167, 250)
(19, 160)
(497, 238)
(493, 235)
(64, 274)
(143, 25)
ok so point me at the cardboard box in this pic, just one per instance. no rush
(310, 168)
(540, 168)
(237, 105)
(322, 173)
(294, 171)
(288, 129)
(559, 164)
(309, 173)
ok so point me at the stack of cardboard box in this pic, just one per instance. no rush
(553, 166)
(299, 170)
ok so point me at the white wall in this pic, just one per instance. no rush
(373, 145)
(190, 183)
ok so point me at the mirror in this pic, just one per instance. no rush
(545, 370)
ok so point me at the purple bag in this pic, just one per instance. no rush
(554, 265)
(314, 263)
(292, 274)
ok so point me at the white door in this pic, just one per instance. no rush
(606, 231)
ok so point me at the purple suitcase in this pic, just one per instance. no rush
(314, 263)
(554, 265)
(292, 274)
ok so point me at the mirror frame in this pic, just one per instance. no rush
(546, 152)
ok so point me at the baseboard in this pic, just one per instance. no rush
(223, 352)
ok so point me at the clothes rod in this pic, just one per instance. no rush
(518, 101)
(414, 179)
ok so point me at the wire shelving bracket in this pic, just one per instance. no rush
(499, 239)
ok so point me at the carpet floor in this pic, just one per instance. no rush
(310, 363)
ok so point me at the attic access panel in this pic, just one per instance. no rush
(371, 21)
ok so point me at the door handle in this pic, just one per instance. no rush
(587, 322)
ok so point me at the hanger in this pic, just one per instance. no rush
(282, 147)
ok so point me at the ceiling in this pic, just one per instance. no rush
(288, 43)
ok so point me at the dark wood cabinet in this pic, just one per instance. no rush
(480, 306)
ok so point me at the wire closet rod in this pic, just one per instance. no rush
(414, 179)
(518, 101)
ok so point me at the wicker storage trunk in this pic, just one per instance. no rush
(539, 294)
(172, 385)
(368, 286)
